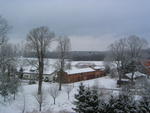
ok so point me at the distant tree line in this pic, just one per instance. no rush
(75, 55)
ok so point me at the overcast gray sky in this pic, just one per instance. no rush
(91, 24)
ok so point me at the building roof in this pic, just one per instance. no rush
(76, 71)
(99, 67)
(136, 75)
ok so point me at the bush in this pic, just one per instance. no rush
(46, 79)
(32, 82)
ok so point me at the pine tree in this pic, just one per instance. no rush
(80, 99)
(91, 101)
(4, 87)
(86, 100)
(144, 105)
(14, 86)
(9, 84)
(124, 104)
(107, 107)
(119, 104)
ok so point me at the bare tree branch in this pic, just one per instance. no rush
(38, 41)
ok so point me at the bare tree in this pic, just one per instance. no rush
(127, 53)
(113, 73)
(68, 89)
(135, 47)
(24, 104)
(40, 98)
(8, 82)
(54, 92)
(4, 28)
(63, 49)
(38, 41)
(118, 54)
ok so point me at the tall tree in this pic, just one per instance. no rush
(135, 47)
(127, 53)
(7, 70)
(4, 28)
(38, 41)
(118, 52)
(63, 49)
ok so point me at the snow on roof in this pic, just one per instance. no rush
(87, 62)
(126, 80)
(83, 70)
(100, 67)
(136, 74)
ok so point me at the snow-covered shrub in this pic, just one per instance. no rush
(40, 98)
(54, 92)
(46, 79)
(68, 89)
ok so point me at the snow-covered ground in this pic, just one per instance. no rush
(27, 92)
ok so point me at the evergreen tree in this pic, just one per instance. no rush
(144, 105)
(13, 86)
(80, 99)
(9, 84)
(91, 101)
(107, 107)
(86, 100)
(124, 104)
(4, 86)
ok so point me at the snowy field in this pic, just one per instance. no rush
(26, 96)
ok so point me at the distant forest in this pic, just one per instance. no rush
(76, 55)
(84, 55)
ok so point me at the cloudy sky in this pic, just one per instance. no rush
(91, 24)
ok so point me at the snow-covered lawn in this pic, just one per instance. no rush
(27, 93)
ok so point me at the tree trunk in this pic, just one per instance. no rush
(120, 77)
(24, 104)
(60, 79)
(54, 100)
(40, 78)
(132, 76)
(14, 95)
(120, 74)
(40, 85)
(40, 107)
(68, 96)
(4, 98)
